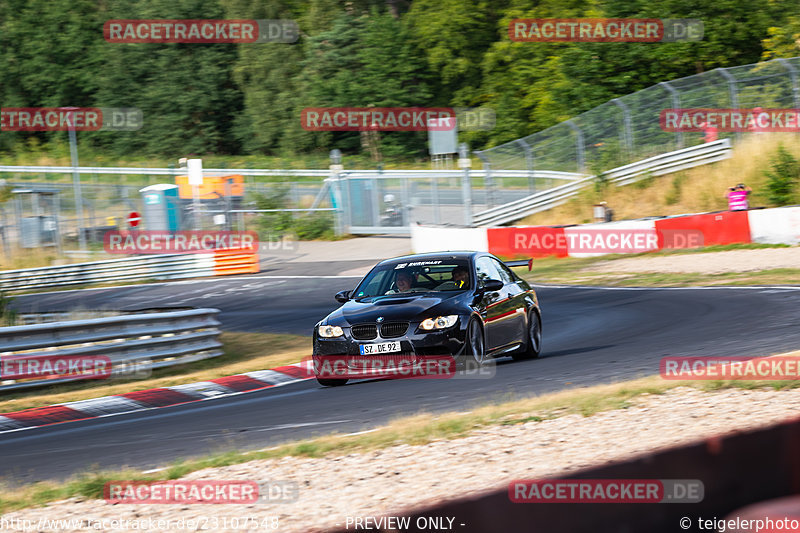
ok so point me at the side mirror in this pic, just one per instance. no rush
(342, 296)
(492, 285)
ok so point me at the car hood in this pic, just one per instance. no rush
(396, 308)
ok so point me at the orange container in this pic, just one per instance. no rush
(213, 187)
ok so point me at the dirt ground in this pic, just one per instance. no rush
(384, 482)
(706, 263)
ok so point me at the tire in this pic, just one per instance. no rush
(331, 382)
(533, 344)
(476, 344)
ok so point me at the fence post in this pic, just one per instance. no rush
(793, 75)
(466, 181)
(406, 196)
(76, 182)
(732, 90)
(337, 200)
(376, 202)
(627, 131)
(579, 146)
(488, 182)
(435, 199)
(676, 104)
(529, 164)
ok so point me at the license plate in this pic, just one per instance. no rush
(379, 348)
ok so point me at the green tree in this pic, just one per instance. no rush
(783, 178)
(185, 91)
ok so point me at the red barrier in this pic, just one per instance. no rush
(532, 241)
(728, 227)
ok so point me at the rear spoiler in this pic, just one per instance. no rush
(521, 263)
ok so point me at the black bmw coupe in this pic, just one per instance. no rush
(466, 305)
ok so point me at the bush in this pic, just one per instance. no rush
(314, 226)
(275, 226)
(783, 178)
(7, 316)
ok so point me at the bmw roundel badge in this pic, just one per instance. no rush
(380, 319)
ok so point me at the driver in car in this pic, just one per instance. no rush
(460, 280)
(403, 281)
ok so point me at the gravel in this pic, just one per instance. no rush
(706, 263)
(389, 480)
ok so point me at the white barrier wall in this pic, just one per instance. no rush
(429, 239)
(775, 226)
(779, 225)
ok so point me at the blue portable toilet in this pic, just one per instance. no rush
(161, 207)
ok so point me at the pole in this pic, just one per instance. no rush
(76, 181)
(466, 185)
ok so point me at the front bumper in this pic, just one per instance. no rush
(416, 342)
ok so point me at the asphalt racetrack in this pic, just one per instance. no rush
(591, 335)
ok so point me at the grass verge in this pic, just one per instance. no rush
(244, 352)
(414, 430)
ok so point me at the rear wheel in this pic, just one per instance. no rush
(534, 341)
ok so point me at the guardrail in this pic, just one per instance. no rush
(134, 344)
(702, 154)
(160, 267)
(655, 166)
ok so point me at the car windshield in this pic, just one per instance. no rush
(434, 275)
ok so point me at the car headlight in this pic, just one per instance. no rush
(330, 331)
(440, 322)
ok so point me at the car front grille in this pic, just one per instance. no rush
(364, 332)
(393, 329)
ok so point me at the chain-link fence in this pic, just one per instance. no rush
(627, 129)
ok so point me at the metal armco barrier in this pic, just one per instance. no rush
(736, 470)
(702, 154)
(133, 343)
(169, 266)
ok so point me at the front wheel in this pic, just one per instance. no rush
(534, 340)
(476, 347)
